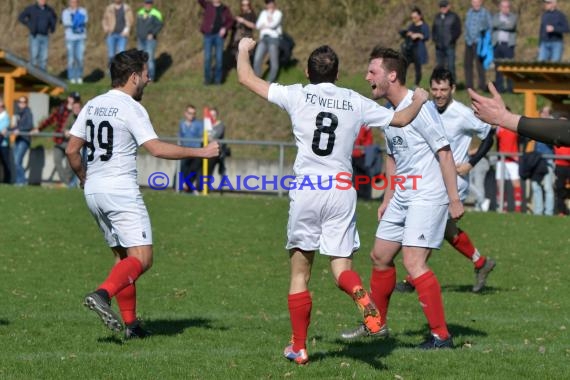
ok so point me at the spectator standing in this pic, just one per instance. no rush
(418, 32)
(477, 22)
(507, 142)
(4, 143)
(217, 132)
(72, 179)
(270, 30)
(190, 128)
(58, 118)
(504, 40)
(364, 139)
(562, 184)
(149, 24)
(477, 182)
(216, 23)
(40, 19)
(553, 25)
(74, 19)
(117, 23)
(243, 27)
(446, 30)
(21, 130)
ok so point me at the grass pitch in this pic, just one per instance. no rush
(216, 297)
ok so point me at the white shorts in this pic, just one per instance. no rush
(323, 220)
(414, 225)
(512, 170)
(122, 218)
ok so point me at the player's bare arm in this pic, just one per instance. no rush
(246, 75)
(389, 192)
(449, 174)
(405, 116)
(169, 151)
(493, 110)
(73, 153)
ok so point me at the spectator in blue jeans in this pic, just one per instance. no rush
(149, 24)
(4, 146)
(553, 25)
(74, 20)
(24, 125)
(270, 31)
(40, 19)
(117, 22)
(217, 21)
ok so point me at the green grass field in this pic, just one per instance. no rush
(216, 297)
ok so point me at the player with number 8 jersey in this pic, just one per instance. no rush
(326, 120)
(112, 126)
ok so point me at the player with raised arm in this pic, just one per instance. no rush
(460, 126)
(412, 218)
(112, 126)
(326, 120)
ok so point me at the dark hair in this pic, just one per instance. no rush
(392, 61)
(418, 11)
(124, 64)
(322, 65)
(440, 74)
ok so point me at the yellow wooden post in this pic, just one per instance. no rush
(207, 121)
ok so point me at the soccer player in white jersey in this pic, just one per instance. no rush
(413, 216)
(112, 126)
(460, 126)
(326, 120)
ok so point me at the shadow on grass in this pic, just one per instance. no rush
(171, 327)
(468, 289)
(4, 322)
(461, 334)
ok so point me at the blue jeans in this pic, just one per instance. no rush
(550, 51)
(149, 46)
(21, 146)
(546, 190)
(445, 57)
(115, 44)
(75, 53)
(216, 42)
(39, 46)
(271, 44)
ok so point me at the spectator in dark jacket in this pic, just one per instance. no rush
(21, 130)
(149, 24)
(418, 33)
(553, 25)
(40, 19)
(216, 23)
(446, 30)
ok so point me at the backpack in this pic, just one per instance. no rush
(78, 22)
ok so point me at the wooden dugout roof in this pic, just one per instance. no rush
(19, 77)
(548, 79)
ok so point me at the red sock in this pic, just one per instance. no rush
(429, 295)
(348, 281)
(518, 199)
(300, 305)
(382, 284)
(127, 301)
(463, 244)
(124, 273)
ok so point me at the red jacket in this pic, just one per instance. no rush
(364, 138)
(562, 151)
(210, 17)
(58, 117)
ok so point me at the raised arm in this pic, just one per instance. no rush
(405, 116)
(169, 151)
(493, 110)
(246, 76)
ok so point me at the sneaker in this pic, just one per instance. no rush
(136, 331)
(361, 331)
(434, 343)
(485, 205)
(404, 287)
(95, 302)
(482, 273)
(299, 357)
(370, 314)
(79, 81)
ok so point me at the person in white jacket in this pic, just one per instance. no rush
(269, 26)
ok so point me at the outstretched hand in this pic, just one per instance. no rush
(420, 94)
(247, 44)
(490, 110)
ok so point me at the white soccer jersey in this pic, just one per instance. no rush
(460, 125)
(113, 126)
(414, 148)
(326, 120)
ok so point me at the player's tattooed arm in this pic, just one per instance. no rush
(405, 116)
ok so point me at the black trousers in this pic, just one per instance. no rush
(472, 59)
